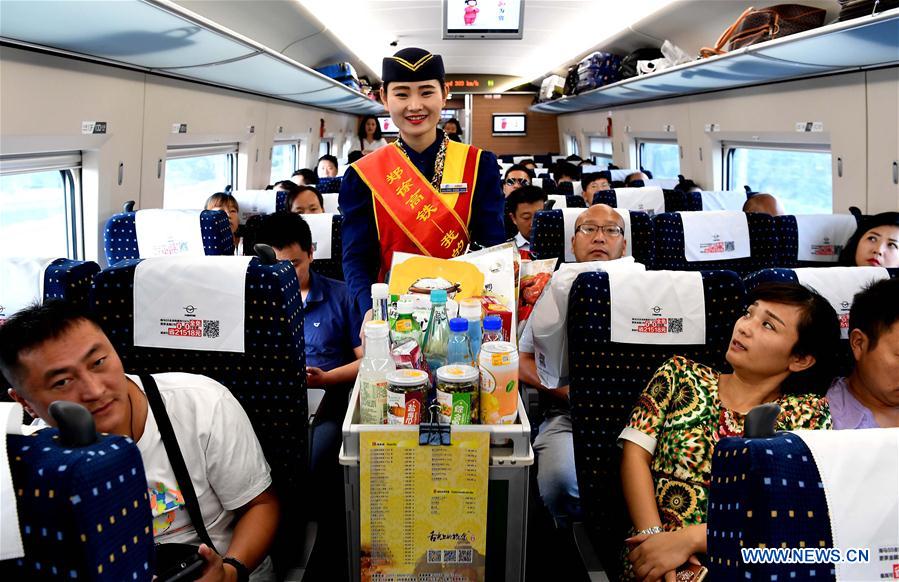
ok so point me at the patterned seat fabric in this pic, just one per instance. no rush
(574, 201)
(549, 236)
(669, 246)
(766, 492)
(606, 380)
(332, 267)
(83, 511)
(70, 280)
(788, 232)
(120, 235)
(675, 201)
(329, 185)
(269, 378)
(566, 188)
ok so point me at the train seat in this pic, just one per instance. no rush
(329, 264)
(554, 228)
(813, 240)
(83, 510)
(607, 376)
(256, 202)
(649, 199)
(24, 281)
(331, 205)
(167, 232)
(329, 185)
(744, 242)
(268, 377)
(723, 199)
(664, 183)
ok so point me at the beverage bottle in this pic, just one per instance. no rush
(376, 362)
(458, 350)
(493, 329)
(405, 325)
(379, 293)
(437, 334)
(470, 310)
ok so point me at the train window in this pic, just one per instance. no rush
(324, 146)
(662, 158)
(40, 206)
(800, 176)
(601, 150)
(284, 161)
(193, 173)
(574, 148)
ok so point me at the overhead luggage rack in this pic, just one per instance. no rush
(856, 44)
(173, 41)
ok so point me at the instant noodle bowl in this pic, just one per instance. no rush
(498, 364)
(406, 395)
(458, 394)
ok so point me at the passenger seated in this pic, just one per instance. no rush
(869, 397)
(228, 203)
(304, 177)
(598, 236)
(636, 180)
(565, 172)
(327, 166)
(574, 159)
(516, 177)
(54, 352)
(530, 165)
(287, 186)
(765, 204)
(521, 205)
(595, 182)
(453, 129)
(782, 350)
(333, 347)
(306, 200)
(875, 242)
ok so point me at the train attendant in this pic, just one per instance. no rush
(423, 194)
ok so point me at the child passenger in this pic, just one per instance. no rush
(782, 350)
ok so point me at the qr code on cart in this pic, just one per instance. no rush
(434, 557)
(465, 556)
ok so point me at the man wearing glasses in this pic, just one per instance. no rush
(516, 177)
(598, 236)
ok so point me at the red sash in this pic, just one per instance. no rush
(410, 214)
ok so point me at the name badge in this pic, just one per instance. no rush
(453, 188)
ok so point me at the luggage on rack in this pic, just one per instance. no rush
(850, 9)
(596, 70)
(628, 65)
(343, 73)
(552, 87)
(755, 26)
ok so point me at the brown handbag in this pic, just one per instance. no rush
(754, 26)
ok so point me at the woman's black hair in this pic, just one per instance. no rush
(308, 176)
(458, 125)
(300, 189)
(847, 255)
(818, 331)
(361, 132)
(222, 199)
(287, 186)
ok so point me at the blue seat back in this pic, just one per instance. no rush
(606, 380)
(669, 246)
(269, 378)
(675, 200)
(83, 511)
(788, 233)
(329, 185)
(70, 280)
(766, 492)
(332, 267)
(120, 235)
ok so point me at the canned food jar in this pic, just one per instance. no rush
(458, 394)
(406, 394)
(498, 364)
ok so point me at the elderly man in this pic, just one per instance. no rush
(598, 236)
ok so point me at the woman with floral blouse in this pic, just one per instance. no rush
(782, 350)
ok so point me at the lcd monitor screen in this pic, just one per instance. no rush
(509, 124)
(387, 126)
(483, 18)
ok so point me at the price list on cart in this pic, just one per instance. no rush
(423, 509)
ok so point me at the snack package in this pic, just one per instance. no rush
(492, 306)
(535, 275)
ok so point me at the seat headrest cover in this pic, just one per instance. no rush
(839, 285)
(10, 534)
(649, 200)
(823, 236)
(657, 307)
(723, 200)
(321, 226)
(191, 303)
(569, 215)
(21, 283)
(715, 235)
(255, 202)
(331, 202)
(163, 233)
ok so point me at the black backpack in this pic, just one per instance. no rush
(628, 66)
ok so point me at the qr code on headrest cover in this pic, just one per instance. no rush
(211, 328)
(675, 325)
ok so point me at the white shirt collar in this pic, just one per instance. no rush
(522, 243)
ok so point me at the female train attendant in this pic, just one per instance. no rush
(781, 351)
(369, 136)
(423, 194)
(875, 242)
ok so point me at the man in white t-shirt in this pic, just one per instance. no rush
(53, 352)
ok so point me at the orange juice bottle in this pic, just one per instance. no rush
(498, 363)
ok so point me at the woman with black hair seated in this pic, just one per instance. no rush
(782, 350)
(875, 242)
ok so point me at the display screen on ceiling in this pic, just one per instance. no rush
(509, 124)
(482, 18)
(387, 125)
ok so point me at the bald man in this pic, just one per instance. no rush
(598, 236)
(765, 204)
(639, 177)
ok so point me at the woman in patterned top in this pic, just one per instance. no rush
(782, 350)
